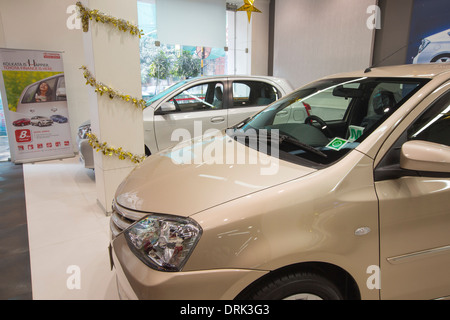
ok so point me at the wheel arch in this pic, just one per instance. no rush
(444, 54)
(340, 277)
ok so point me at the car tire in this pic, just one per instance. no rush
(297, 286)
(443, 58)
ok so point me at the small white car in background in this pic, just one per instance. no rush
(435, 48)
(41, 121)
(218, 102)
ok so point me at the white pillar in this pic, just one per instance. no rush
(112, 57)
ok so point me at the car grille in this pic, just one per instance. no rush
(122, 218)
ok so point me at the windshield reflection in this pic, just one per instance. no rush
(321, 122)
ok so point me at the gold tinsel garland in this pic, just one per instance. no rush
(87, 14)
(101, 88)
(110, 151)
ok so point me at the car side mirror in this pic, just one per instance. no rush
(61, 93)
(166, 107)
(421, 155)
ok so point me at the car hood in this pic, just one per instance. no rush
(165, 184)
(440, 36)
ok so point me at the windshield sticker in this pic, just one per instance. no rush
(354, 133)
(337, 144)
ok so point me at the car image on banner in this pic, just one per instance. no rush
(435, 48)
(22, 122)
(46, 96)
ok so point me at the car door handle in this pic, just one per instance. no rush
(217, 119)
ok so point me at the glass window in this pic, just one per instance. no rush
(206, 96)
(163, 64)
(42, 91)
(434, 124)
(29, 94)
(253, 93)
(323, 121)
(328, 105)
(61, 89)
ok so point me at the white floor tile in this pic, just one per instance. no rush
(67, 229)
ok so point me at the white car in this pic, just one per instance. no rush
(41, 121)
(218, 102)
(435, 48)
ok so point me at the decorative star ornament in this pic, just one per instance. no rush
(249, 7)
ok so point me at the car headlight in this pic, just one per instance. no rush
(424, 44)
(83, 130)
(163, 242)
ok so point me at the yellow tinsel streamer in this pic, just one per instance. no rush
(110, 151)
(87, 15)
(102, 89)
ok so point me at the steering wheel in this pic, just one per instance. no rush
(324, 126)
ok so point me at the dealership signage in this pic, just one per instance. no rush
(35, 105)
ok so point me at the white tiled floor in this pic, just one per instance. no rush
(66, 227)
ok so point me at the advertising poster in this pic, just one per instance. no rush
(429, 35)
(35, 105)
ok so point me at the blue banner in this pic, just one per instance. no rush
(429, 36)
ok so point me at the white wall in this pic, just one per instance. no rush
(315, 38)
(42, 25)
(260, 38)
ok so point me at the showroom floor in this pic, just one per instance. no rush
(68, 233)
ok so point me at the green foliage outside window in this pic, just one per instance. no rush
(17, 81)
(187, 66)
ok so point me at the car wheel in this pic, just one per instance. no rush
(443, 58)
(297, 286)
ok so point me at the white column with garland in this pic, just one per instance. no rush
(112, 56)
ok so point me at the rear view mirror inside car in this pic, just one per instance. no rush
(340, 91)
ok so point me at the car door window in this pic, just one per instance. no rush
(61, 89)
(29, 94)
(205, 96)
(434, 124)
(33, 93)
(253, 93)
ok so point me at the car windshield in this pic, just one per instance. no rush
(165, 92)
(318, 124)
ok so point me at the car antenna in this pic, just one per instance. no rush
(385, 58)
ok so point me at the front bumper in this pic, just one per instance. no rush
(135, 280)
(86, 153)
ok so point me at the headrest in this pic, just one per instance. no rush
(218, 93)
(383, 101)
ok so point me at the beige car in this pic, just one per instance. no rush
(348, 201)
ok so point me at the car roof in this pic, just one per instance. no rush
(426, 70)
(216, 77)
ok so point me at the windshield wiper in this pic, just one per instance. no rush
(281, 139)
(305, 147)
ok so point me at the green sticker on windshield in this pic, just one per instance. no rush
(337, 144)
(355, 132)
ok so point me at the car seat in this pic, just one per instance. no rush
(382, 103)
(266, 98)
(218, 98)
